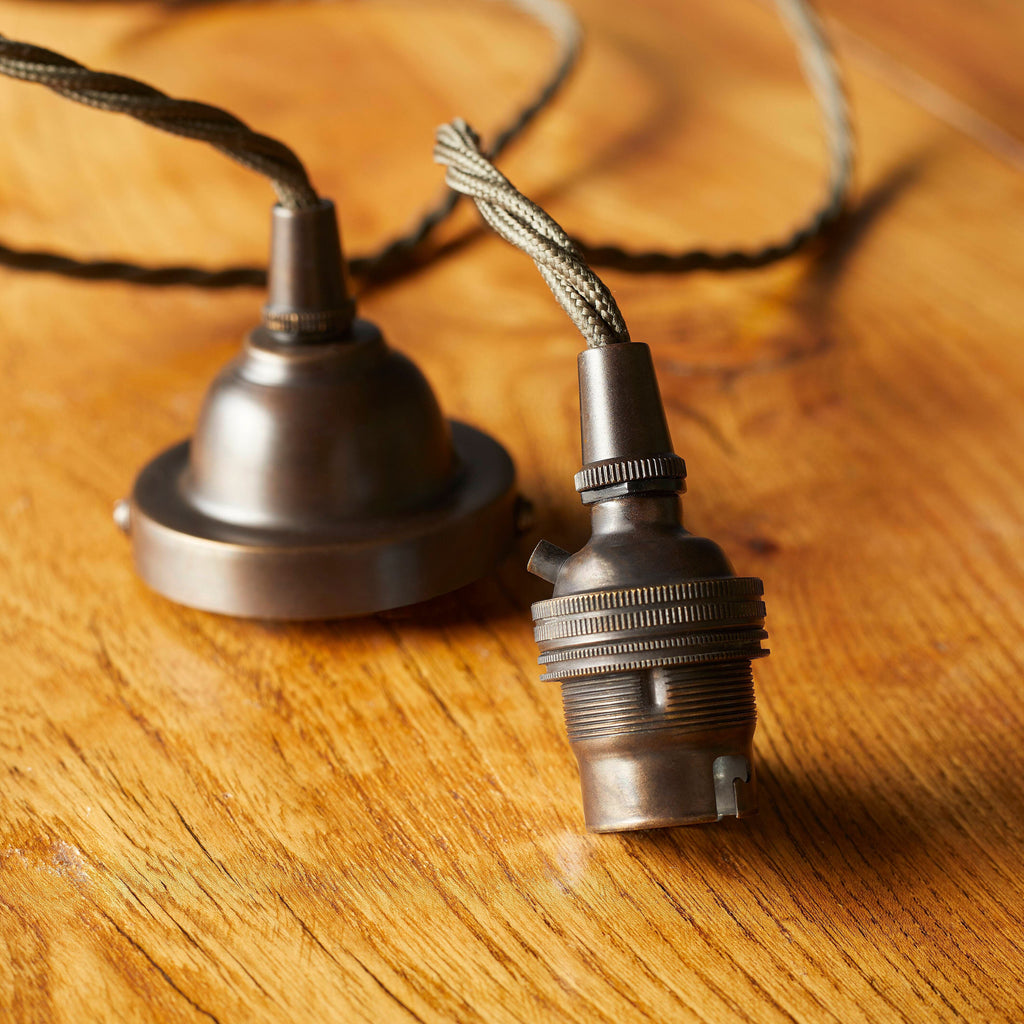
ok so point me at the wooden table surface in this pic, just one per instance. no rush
(378, 820)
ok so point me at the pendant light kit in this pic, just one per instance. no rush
(322, 479)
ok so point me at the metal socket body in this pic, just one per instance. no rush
(649, 631)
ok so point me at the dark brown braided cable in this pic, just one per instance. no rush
(816, 58)
(822, 75)
(31, 63)
(564, 28)
(133, 273)
(187, 118)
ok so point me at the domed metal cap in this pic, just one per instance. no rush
(322, 480)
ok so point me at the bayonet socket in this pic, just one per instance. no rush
(649, 631)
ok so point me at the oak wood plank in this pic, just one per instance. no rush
(378, 820)
(961, 59)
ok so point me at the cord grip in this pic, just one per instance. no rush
(308, 297)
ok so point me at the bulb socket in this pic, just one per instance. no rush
(649, 631)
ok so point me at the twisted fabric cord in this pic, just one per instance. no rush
(258, 152)
(819, 69)
(564, 28)
(133, 273)
(187, 118)
(518, 220)
(822, 75)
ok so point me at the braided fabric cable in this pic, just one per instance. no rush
(187, 118)
(519, 220)
(45, 262)
(564, 28)
(822, 75)
(266, 156)
(119, 94)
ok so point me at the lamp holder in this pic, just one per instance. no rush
(649, 631)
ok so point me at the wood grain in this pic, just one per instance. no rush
(378, 820)
(972, 53)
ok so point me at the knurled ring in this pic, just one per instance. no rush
(621, 471)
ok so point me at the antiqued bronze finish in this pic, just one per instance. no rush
(322, 479)
(649, 631)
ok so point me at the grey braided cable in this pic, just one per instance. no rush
(197, 120)
(519, 220)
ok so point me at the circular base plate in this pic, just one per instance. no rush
(332, 570)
